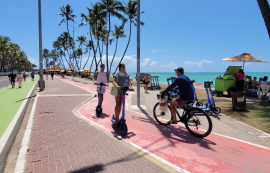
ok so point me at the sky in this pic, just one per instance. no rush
(193, 34)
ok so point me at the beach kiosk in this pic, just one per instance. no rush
(228, 81)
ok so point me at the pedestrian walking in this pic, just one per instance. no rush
(12, 78)
(20, 79)
(52, 74)
(146, 81)
(33, 75)
(24, 76)
(46, 74)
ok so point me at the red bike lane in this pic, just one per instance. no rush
(175, 144)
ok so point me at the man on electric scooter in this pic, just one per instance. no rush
(102, 77)
(119, 80)
(186, 93)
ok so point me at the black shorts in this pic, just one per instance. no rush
(180, 101)
(146, 83)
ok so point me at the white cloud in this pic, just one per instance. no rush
(169, 65)
(153, 63)
(34, 61)
(156, 50)
(145, 62)
(199, 64)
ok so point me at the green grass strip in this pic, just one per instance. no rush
(11, 100)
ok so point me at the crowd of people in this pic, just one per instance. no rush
(20, 78)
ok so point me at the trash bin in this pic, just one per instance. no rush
(43, 84)
(239, 99)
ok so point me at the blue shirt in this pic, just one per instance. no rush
(184, 87)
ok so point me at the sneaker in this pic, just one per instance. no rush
(173, 122)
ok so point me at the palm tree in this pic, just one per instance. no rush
(118, 33)
(67, 15)
(96, 20)
(58, 46)
(46, 56)
(131, 11)
(111, 7)
(81, 40)
(54, 55)
(265, 10)
(89, 47)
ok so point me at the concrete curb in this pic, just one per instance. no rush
(20, 163)
(12, 130)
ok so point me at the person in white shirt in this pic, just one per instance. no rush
(119, 80)
(261, 83)
(102, 77)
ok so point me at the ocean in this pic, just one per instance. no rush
(197, 76)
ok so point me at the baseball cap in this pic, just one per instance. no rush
(179, 69)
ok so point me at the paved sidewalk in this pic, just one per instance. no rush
(62, 142)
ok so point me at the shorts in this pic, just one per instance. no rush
(103, 89)
(180, 102)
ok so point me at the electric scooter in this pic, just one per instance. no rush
(99, 108)
(210, 106)
(122, 122)
(195, 95)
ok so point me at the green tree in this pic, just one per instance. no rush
(131, 11)
(81, 40)
(118, 33)
(46, 57)
(111, 7)
(265, 10)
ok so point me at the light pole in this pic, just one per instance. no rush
(41, 86)
(138, 53)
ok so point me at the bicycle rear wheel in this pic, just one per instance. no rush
(163, 118)
(198, 123)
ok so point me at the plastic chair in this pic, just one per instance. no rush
(263, 91)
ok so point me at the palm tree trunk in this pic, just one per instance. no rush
(113, 56)
(126, 47)
(93, 48)
(87, 59)
(107, 44)
(265, 10)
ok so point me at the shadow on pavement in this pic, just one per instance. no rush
(181, 134)
(25, 98)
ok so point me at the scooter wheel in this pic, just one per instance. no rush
(123, 129)
(199, 104)
(217, 110)
(98, 111)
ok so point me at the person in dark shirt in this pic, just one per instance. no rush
(186, 93)
(32, 75)
(52, 74)
(12, 78)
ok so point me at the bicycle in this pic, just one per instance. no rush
(196, 120)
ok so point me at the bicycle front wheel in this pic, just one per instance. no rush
(163, 118)
(198, 122)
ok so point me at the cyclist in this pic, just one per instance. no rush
(186, 93)
(102, 77)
